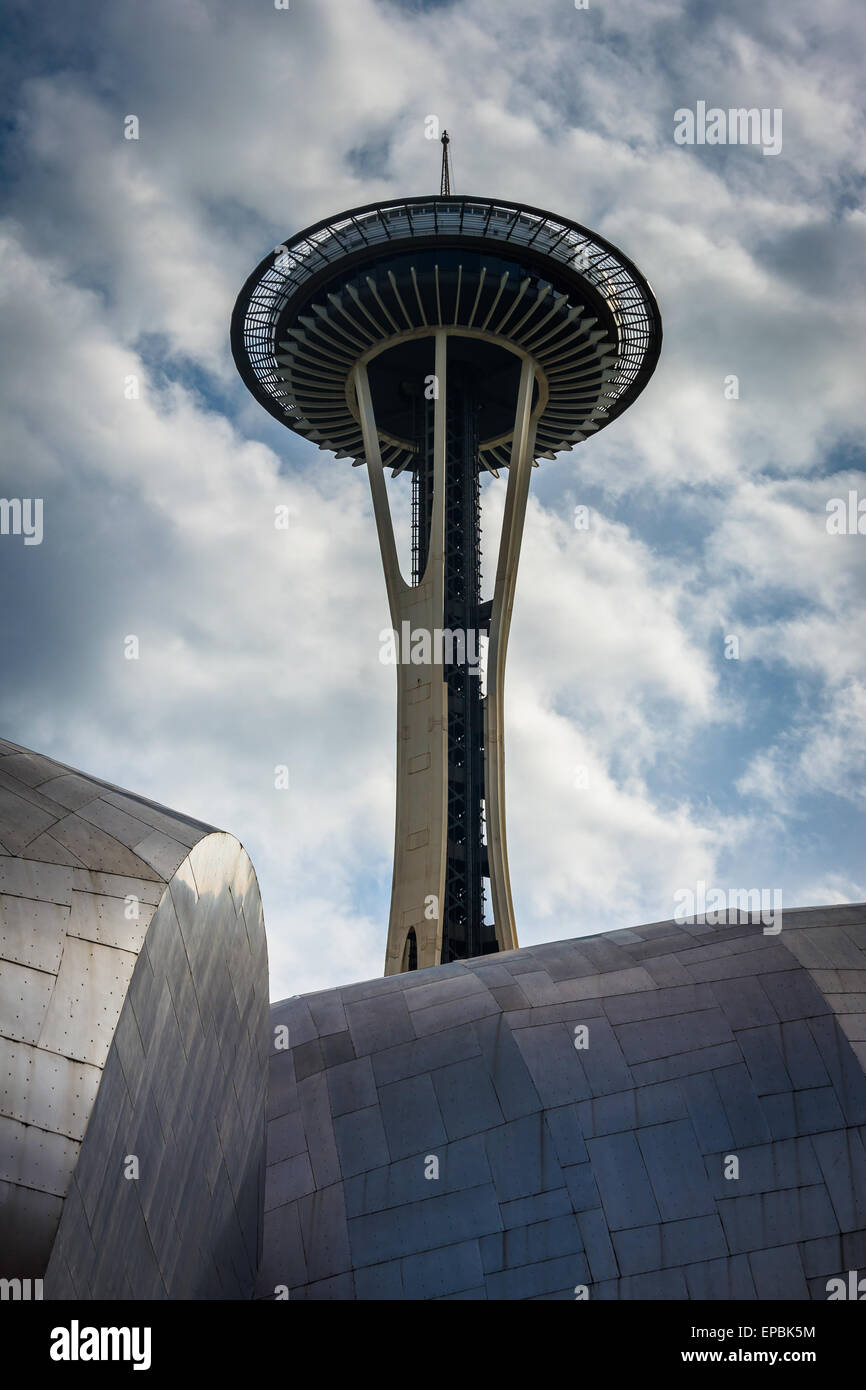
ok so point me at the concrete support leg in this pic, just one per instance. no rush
(500, 623)
(420, 837)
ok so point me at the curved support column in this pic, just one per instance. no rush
(420, 835)
(500, 623)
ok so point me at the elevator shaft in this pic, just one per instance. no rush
(464, 931)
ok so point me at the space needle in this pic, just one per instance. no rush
(443, 338)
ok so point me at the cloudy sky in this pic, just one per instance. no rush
(708, 511)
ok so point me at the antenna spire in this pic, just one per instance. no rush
(445, 185)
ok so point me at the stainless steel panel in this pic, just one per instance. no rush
(32, 794)
(24, 998)
(123, 826)
(28, 1223)
(51, 851)
(42, 1088)
(162, 852)
(187, 832)
(21, 821)
(29, 768)
(70, 790)
(96, 848)
(97, 917)
(216, 860)
(150, 890)
(32, 932)
(26, 878)
(36, 1157)
(88, 996)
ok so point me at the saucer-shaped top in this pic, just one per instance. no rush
(375, 284)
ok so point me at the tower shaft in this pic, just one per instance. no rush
(465, 933)
(450, 751)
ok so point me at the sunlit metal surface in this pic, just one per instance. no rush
(133, 1021)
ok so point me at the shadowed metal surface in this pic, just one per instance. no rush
(133, 1010)
(603, 1167)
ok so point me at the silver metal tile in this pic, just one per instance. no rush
(32, 932)
(161, 852)
(24, 997)
(26, 878)
(122, 826)
(88, 996)
(150, 890)
(110, 921)
(96, 848)
(42, 1088)
(35, 1157)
